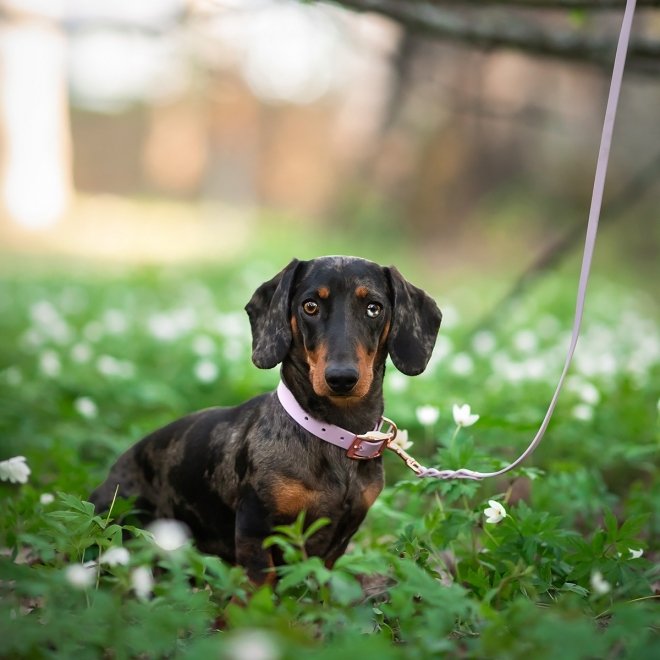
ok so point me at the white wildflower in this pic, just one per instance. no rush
(397, 382)
(583, 411)
(115, 321)
(111, 366)
(483, 342)
(115, 557)
(427, 415)
(79, 576)
(252, 645)
(599, 584)
(86, 407)
(46, 498)
(636, 554)
(81, 353)
(163, 327)
(44, 313)
(172, 325)
(462, 364)
(233, 349)
(206, 371)
(232, 325)
(495, 512)
(450, 316)
(15, 470)
(525, 341)
(49, 363)
(203, 345)
(535, 368)
(588, 392)
(142, 582)
(463, 416)
(401, 440)
(169, 534)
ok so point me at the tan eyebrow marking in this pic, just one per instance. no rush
(362, 292)
(323, 292)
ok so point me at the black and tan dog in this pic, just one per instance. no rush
(231, 474)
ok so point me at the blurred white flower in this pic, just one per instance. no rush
(111, 366)
(79, 576)
(599, 584)
(397, 382)
(203, 345)
(233, 349)
(450, 316)
(462, 364)
(115, 557)
(49, 363)
(535, 368)
(583, 411)
(252, 645)
(168, 326)
(46, 498)
(525, 341)
(49, 322)
(142, 582)
(463, 415)
(163, 327)
(169, 534)
(15, 470)
(495, 512)
(427, 415)
(86, 407)
(483, 342)
(43, 312)
(115, 321)
(81, 353)
(232, 325)
(588, 392)
(401, 440)
(206, 371)
(636, 554)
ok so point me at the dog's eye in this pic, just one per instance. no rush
(374, 310)
(310, 307)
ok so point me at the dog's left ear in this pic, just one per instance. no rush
(268, 311)
(415, 324)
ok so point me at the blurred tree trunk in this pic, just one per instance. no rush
(36, 172)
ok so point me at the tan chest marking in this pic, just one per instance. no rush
(292, 496)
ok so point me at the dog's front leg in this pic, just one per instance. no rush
(253, 525)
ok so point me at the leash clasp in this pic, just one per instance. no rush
(372, 444)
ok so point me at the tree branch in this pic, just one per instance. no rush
(611, 5)
(511, 31)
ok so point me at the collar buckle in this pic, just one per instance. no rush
(372, 444)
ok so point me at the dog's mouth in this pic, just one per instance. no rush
(344, 400)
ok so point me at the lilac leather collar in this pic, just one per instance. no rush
(360, 447)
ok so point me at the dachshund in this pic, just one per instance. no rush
(232, 474)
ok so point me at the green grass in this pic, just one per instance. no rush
(90, 361)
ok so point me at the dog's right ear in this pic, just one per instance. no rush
(268, 311)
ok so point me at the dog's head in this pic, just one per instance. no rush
(343, 314)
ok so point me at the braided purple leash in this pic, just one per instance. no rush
(590, 241)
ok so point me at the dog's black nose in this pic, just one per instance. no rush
(341, 380)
